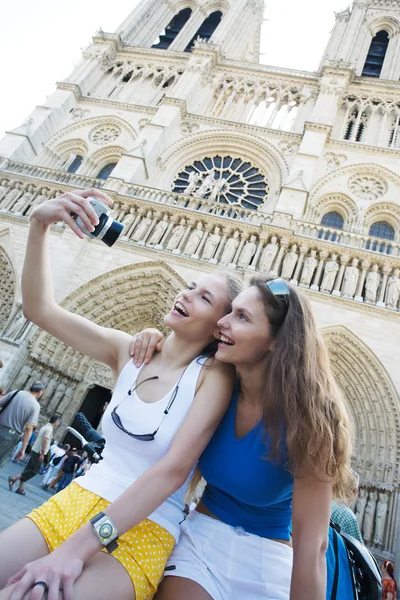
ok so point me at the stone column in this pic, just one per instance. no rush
(278, 261)
(243, 238)
(339, 278)
(157, 217)
(386, 271)
(132, 227)
(360, 285)
(296, 276)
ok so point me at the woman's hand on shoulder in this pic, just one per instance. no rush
(76, 202)
(144, 344)
(59, 570)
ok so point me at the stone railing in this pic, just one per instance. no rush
(348, 238)
(53, 175)
(201, 231)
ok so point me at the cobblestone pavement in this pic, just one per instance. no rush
(14, 506)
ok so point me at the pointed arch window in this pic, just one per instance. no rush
(172, 29)
(76, 163)
(384, 231)
(206, 30)
(376, 55)
(106, 171)
(333, 220)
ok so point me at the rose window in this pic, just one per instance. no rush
(367, 187)
(224, 179)
(104, 135)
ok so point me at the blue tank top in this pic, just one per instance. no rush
(243, 489)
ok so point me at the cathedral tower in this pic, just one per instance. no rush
(367, 38)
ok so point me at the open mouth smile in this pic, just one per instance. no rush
(180, 309)
(225, 341)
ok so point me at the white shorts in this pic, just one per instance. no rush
(229, 563)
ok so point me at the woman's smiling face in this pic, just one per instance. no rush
(197, 309)
(245, 333)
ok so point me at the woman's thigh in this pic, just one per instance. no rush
(102, 578)
(179, 588)
(19, 544)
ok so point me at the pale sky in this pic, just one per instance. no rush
(41, 40)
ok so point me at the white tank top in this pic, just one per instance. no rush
(126, 459)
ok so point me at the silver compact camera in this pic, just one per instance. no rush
(108, 230)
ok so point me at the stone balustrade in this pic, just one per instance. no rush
(346, 266)
(53, 175)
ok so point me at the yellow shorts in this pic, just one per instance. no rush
(143, 551)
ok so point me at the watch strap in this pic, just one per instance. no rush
(97, 517)
(111, 547)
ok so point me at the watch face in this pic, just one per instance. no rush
(105, 530)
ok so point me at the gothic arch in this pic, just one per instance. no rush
(76, 146)
(374, 404)
(246, 146)
(382, 211)
(8, 285)
(364, 169)
(87, 125)
(128, 298)
(340, 203)
(389, 24)
(106, 155)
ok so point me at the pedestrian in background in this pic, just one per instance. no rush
(69, 468)
(39, 451)
(343, 516)
(19, 415)
(56, 463)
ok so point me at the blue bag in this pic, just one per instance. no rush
(352, 571)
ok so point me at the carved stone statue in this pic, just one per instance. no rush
(269, 254)
(369, 515)
(66, 401)
(12, 196)
(247, 253)
(57, 396)
(24, 200)
(310, 265)
(330, 272)
(212, 244)
(3, 188)
(42, 197)
(15, 326)
(143, 227)
(289, 263)
(372, 284)
(393, 290)
(207, 184)
(380, 519)
(230, 249)
(350, 279)
(127, 222)
(193, 180)
(217, 188)
(194, 240)
(360, 506)
(159, 231)
(22, 377)
(177, 235)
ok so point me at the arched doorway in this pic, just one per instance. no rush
(375, 409)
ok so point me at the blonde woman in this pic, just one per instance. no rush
(158, 422)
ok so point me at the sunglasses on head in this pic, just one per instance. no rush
(279, 288)
(144, 437)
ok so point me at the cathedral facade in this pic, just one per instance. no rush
(213, 160)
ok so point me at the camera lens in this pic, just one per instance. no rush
(113, 233)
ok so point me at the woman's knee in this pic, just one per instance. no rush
(179, 588)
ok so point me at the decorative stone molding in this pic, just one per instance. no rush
(104, 134)
(8, 285)
(335, 160)
(367, 187)
(80, 113)
(94, 123)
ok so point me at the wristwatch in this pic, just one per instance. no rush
(106, 531)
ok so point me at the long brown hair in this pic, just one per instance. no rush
(302, 404)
